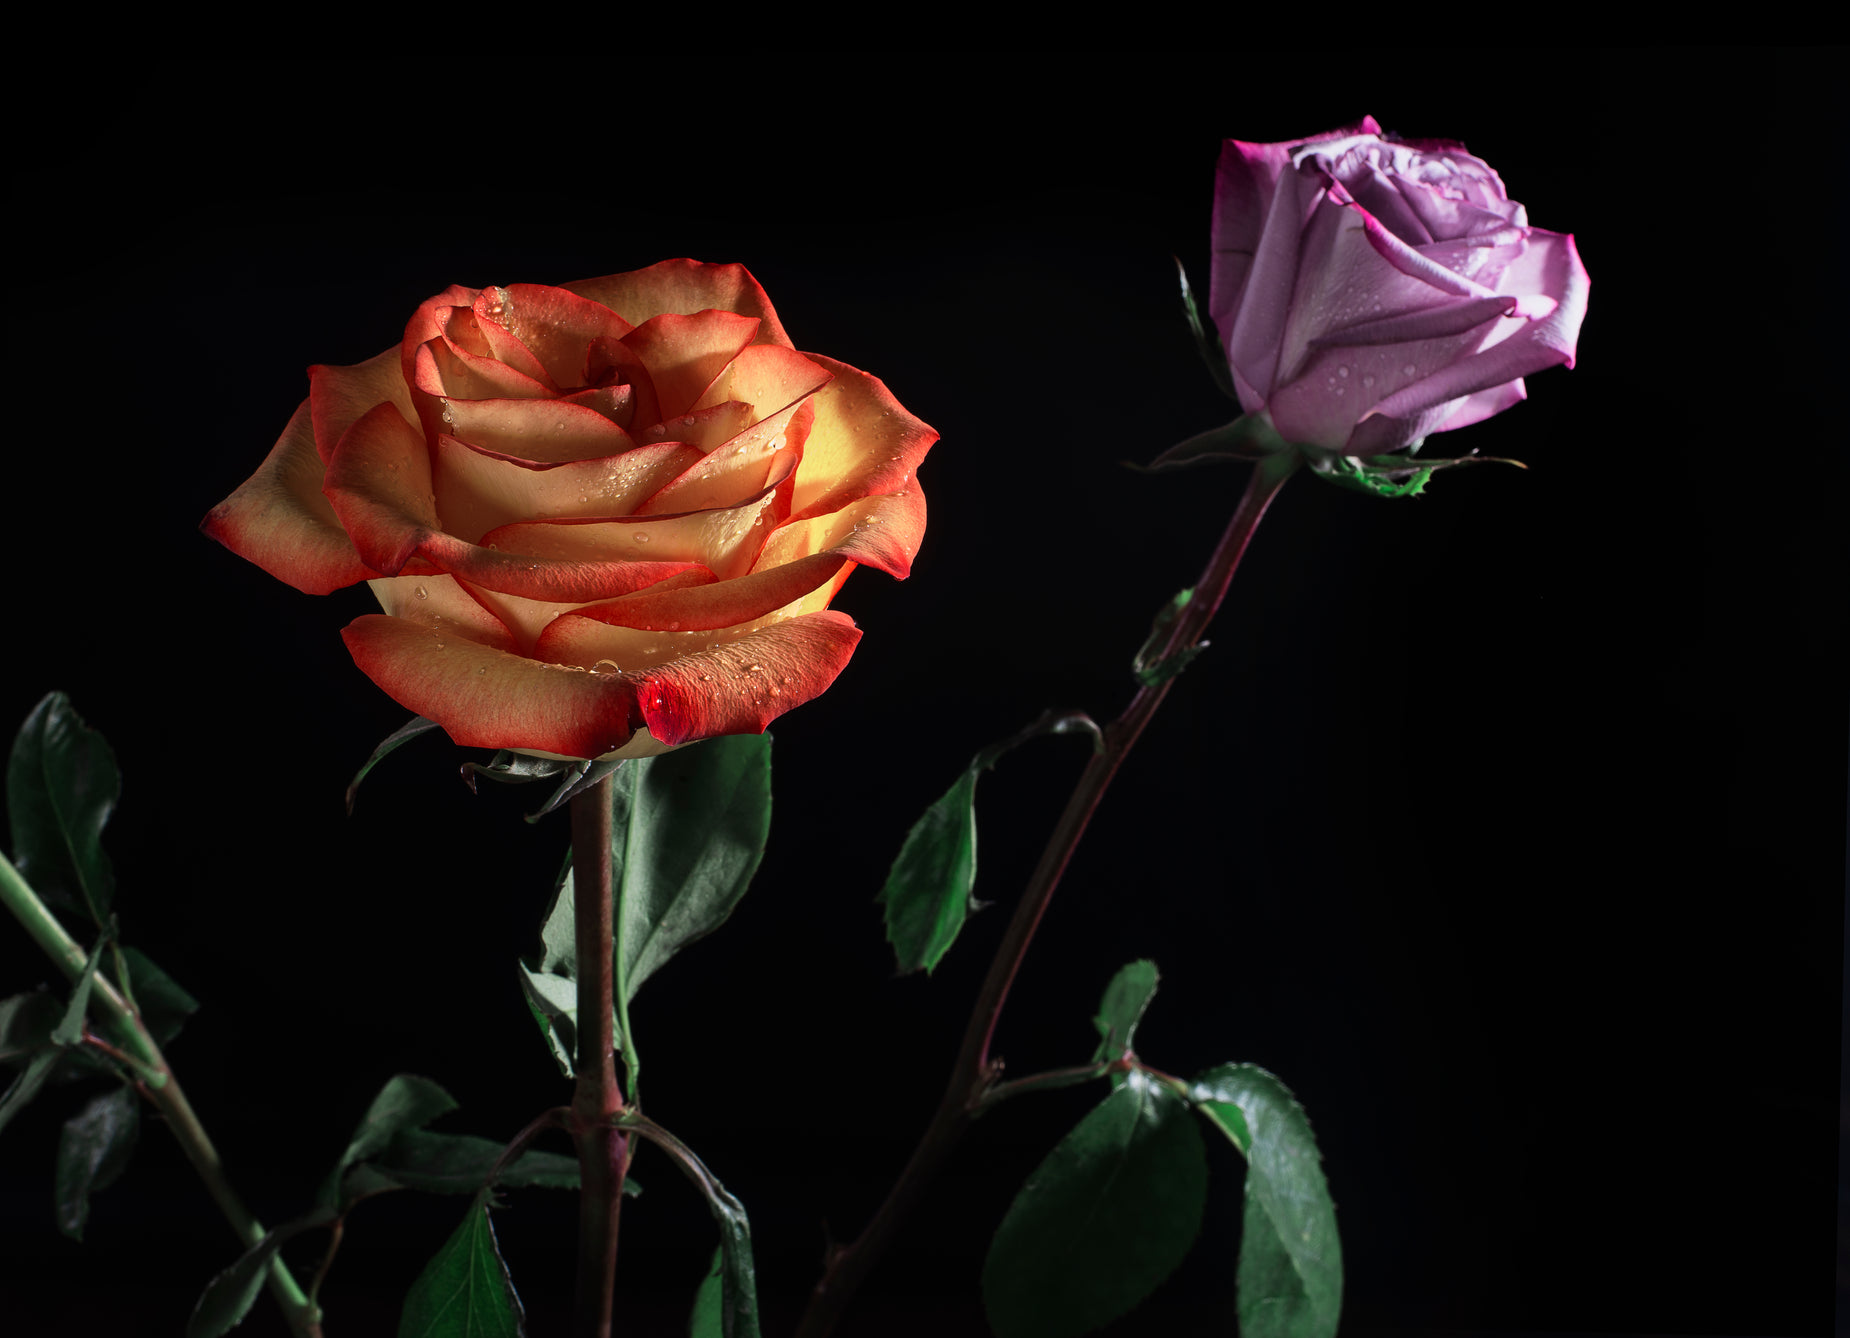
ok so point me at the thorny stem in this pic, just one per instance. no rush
(160, 1086)
(603, 1150)
(974, 1072)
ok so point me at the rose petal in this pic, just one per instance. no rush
(706, 429)
(488, 698)
(862, 442)
(379, 484)
(431, 321)
(881, 531)
(479, 490)
(279, 519)
(685, 286)
(762, 456)
(543, 431)
(557, 326)
(490, 312)
(527, 619)
(685, 353)
(734, 686)
(742, 687)
(726, 539)
(442, 603)
(337, 396)
(443, 372)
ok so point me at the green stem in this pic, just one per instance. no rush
(603, 1150)
(160, 1086)
(973, 1073)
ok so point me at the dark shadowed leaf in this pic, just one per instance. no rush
(229, 1297)
(1291, 1264)
(406, 1102)
(164, 1005)
(1248, 437)
(930, 890)
(465, 1290)
(705, 1321)
(1119, 1012)
(61, 787)
(92, 1152)
(396, 739)
(21, 1090)
(1102, 1221)
(1206, 340)
(440, 1163)
(26, 1021)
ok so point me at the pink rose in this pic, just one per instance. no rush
(1370, 291)
(603, 519)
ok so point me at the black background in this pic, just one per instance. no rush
(1505, 824)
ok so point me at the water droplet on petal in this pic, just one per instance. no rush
(1342, 371)
(1408, 370)
(641, 537)
(421, 593)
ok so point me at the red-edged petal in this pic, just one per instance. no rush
(543, 431)
(685, 353)
(554, 326)
(379, 485)
(733, 684)
(763, 455)
(724, 539)
(479, 490)
(723, 604)
(443, 604)
(882, 532)
(684, 287)
(444, 372)
(743, 686)
(767, 377)
(863, 441)
(527, 619)
(493, 312)
(488, 698)
(707, 429)
(431, 321)
(279, 519)
(337, 396)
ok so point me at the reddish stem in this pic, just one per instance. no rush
(603, 1152)
(974, 1071)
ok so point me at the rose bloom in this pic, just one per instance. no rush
(603, 519)
(1370, 290)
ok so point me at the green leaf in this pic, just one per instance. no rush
(229, 1297)
(1119, 1012)
(21, 1090)
(1207, 343)
(26, 1022)
(738, 1307)
(705, 1321)
(1103, 1220)
(61, 786)
(92, 1152)
(930, 890)
(438, 1163)
(465, 1290)
(553, 1001)
(406, 1102)
(689, 829)
(1249, 437)
(1290, 1275)
(392, 742)
(164, 1006)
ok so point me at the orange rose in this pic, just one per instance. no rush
(603, 519)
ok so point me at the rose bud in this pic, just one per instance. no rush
(603, 519)
(1370, 290)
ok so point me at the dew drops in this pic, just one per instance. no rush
(1342, 371)
(421, 593)
(481, 668)
(615, 668)
(1408, 370)
(641, 537)
(1368, 380)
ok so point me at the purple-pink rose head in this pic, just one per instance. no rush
(1372, 290)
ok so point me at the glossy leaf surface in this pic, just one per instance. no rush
(1290, 1274)
(61, 786)
(93, 1151)
(1103, 1220)
(1119, 1012)
(705, 1321)
(929, 892)
(465, 1290)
